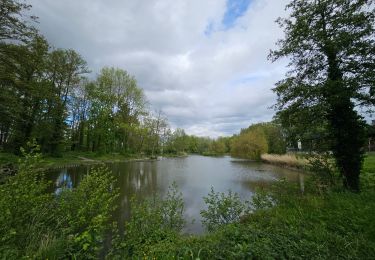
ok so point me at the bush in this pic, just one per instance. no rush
(85, 213)
(222, 209)
(154, 224)
(250, 145)
(324, 172)
(38, 224)
(25, 210)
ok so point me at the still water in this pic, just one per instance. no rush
(194, 176)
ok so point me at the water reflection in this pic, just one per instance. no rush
(194, 175)
(64, 181)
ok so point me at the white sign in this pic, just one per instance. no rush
(299, 145)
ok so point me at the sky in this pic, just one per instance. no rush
(203, 63)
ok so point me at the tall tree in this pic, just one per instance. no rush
(65, 70)
(331, 45)
(14, 23)
(23, 81)
(116, 104)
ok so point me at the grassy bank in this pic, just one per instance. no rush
(285, 160)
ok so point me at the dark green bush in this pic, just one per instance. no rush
(39, 224)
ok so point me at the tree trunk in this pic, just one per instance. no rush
(348, 141)
(347, 128)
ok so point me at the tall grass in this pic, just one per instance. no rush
(285, 160)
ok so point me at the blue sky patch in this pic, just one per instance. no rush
(235, 9)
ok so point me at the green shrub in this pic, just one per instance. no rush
(222, 209)
(324, 172)
(155, 225)
(38, 224)
(85, 213)
(25, 210)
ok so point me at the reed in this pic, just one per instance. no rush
(285, 160)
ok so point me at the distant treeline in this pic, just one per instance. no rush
(250, 143)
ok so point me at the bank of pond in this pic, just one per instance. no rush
(191, 207)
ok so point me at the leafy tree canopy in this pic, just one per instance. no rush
(331, 46)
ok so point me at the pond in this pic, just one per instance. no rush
(194, 176)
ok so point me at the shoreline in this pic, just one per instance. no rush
(88, 161)
(80, 159)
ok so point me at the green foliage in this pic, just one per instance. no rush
(85, 213)
(38, 224)
(153, 222)
(250, 144)
(331, 49)
(173, 209)
(285, 224)
(368, 173)
(325, 173)
(262, 200)
(25, 207)
(45, 97)
(273, 134)
(222, 209)
(258, 139)
(13, 25)
(218, 147)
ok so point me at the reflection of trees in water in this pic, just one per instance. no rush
(134, 179)
(69, 178)
(63, 181)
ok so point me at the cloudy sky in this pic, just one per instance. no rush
(203, 63)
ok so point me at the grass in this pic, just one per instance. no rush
(6, 158)
(369, 163)
(285, 160)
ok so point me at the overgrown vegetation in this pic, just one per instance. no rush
(39, 224)
(222, 209)
(281, 222)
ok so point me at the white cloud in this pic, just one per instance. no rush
(208, 84)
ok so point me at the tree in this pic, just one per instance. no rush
(22, 76)
(250, 144)
(65, 70)
(331, 46)
(274, 136)
(13, 26)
